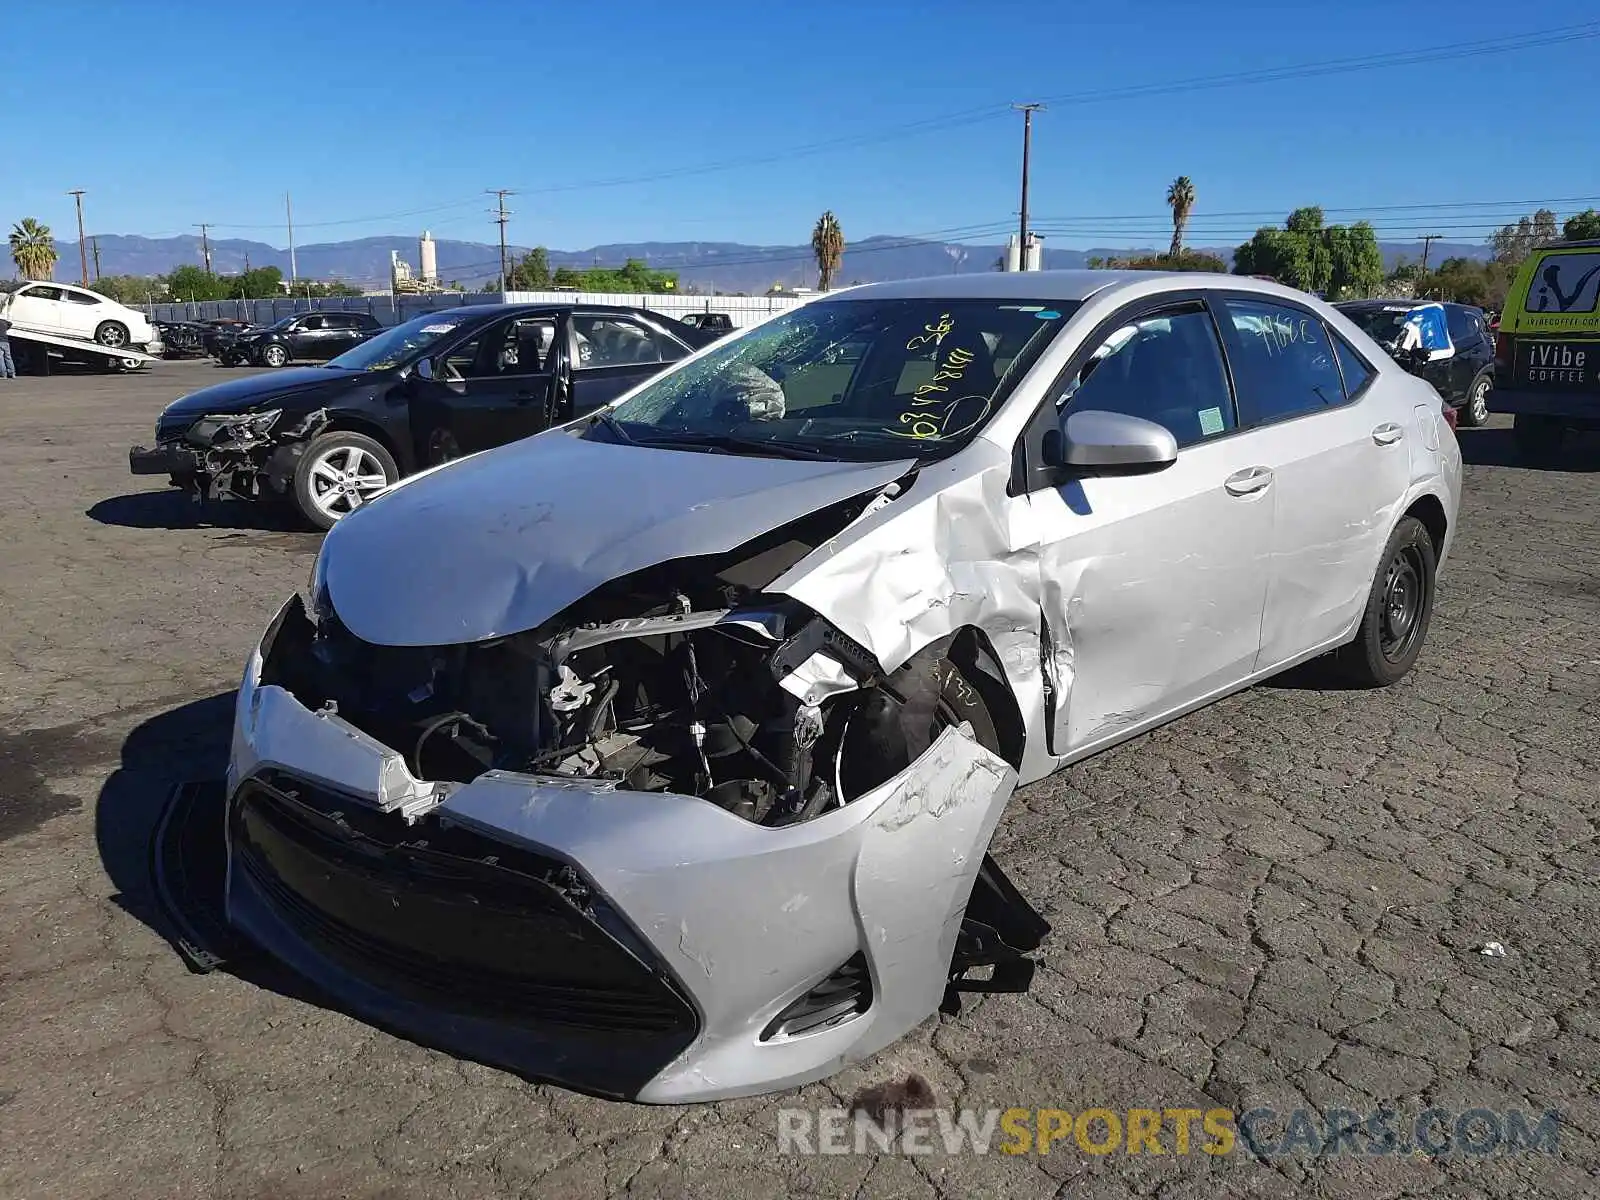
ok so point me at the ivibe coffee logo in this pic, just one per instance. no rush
(1560, 364)
(1565, 283)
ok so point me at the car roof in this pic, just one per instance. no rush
(1062, 286)
(482, 310)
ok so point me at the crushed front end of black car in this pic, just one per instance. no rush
(243, 456)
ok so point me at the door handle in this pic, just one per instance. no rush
(1248, 481)
(1387, 434)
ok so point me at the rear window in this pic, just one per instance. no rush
(1562, 292)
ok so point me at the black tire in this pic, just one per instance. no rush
(1538, 438)
(311, 491)
(1399, 608)
(1475, 411)
(113, 334)
(274, 355)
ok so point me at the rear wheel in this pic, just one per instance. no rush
(338, 473)
(111, 333)
(1399, 608)
(1476, 410)
(1538, 438)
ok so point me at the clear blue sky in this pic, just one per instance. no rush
(367, 110)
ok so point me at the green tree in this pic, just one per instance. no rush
(566, 277)
(1184, 260)
(33, 249)
(827, 243)
(1355, 259)
(1513, 243)
(532, 274)
(1582, 226)
(1314, 257)
(131, 289)
(190, 282)
(260, 283)
(1180, 199)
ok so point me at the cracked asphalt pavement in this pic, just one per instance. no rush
(1281, 900)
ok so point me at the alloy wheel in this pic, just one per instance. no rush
(343, 478)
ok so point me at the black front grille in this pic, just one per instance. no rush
(450, 919)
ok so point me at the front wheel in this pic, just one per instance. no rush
(1399, 608)
(112, 334)
(1476, 410)
(1538, 438)
(274, 356)
(338, 473)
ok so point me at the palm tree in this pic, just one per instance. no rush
(1180, 198)
(33, 249)
(827, 242)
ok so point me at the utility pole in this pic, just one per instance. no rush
(83, 247)
(500, 214)
(288, 211)
(205, 245)
(1027, 111)
(96, 243)
(1427, 242)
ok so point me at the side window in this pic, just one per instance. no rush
(82, 298)
(1165, 367)
(614, 342)
(1460, 323)
(1283, 362)
(42, 293)
(461, 362)
(524, 347)
(1351, 365)
(313, 322)
(342, 321)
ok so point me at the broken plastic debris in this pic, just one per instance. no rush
(1493, 950)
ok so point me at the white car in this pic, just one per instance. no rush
(76, 312)
(659, 754)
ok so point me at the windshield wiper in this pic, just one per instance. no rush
(734, 442)
(614, 426)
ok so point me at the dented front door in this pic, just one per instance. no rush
(1152, 588)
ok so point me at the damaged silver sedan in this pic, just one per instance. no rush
(658, 755)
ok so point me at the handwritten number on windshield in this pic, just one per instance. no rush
(932, 335)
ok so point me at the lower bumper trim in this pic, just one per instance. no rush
(169, 459)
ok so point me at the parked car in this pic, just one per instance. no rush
(67, 311)
(1547, 350)
(303, 337)
(439, 386)
(718, 323)
(1449, 345)
(659, 754)
(181, 339)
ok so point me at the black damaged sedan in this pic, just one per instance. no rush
(439, 386)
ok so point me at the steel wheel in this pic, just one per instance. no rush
(342, 479)
(1404, 594)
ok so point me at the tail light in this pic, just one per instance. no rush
(1502, 349)
(1450, 417)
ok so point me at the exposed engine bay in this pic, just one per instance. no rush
(252, 455)
(682, 678)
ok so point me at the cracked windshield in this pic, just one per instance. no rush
(847, 379)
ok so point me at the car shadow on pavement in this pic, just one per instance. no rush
(173, 509)
(175, 747)
(1498, 448)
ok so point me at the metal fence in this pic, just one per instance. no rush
(391, 310)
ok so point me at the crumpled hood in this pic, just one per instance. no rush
(241, 395)
(500, 542)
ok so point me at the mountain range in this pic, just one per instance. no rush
(709, 266)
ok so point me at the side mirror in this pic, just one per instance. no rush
(1098, 441)
(424, 369)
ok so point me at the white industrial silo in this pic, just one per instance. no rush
(428, 258)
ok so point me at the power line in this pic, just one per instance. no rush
(1373, 62)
